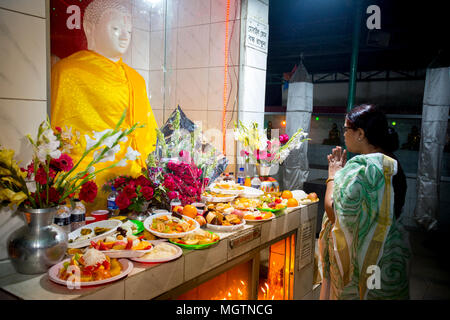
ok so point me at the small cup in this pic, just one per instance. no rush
(200, 207)
(90, 220)
(100, 215)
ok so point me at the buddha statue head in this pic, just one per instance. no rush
(107, 26)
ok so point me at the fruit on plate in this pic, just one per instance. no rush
(93, 265)
(258, 215)
(178, 209)
(121, 243)
(198, 237)
(286, 194)
(169, 224)
(292, 202)
(189, 211)
(201, 220)
(313, 196)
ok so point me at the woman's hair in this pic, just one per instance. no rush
(374, 123)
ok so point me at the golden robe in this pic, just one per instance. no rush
(89, 93)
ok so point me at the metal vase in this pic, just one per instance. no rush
(39, 244)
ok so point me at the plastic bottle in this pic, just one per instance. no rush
(78, 216)
(62, 218)
(248, 181)
(111, 203)
(256, 182)
(240, 176)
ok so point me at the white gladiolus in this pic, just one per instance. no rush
(48, 149)
(132, 154)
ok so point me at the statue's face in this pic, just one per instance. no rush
(112, 34)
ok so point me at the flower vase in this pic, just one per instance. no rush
(268, 184)
(140, 215)
(39, 244)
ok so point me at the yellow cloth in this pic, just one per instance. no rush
(90, 93)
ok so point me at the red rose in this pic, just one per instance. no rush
(143, 181)
(122, 201)
(88, 191)
(130, 192)
(119, 182)
(64, 163)
(147, 192)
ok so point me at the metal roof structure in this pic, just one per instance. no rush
(411, 36)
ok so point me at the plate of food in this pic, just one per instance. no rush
(218, 221)
(209, 196)
(89, 269)
(99, 230)
(227, 187)
(123, 247)
(310, 198)
(162, 252)
(200, 239)
(250, 192)
(258, 216)
(170, 225)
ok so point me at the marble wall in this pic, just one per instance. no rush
(194, 56)
(23, 85)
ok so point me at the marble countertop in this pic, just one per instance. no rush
(147, 281)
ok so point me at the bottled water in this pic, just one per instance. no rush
(256, 182)
(241, 176)
(112, 206)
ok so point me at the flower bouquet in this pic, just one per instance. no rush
(257, 149)
(134, 194)
(182, 163)
(50, 179)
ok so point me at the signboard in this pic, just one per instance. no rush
(306, 244)
(257, 35)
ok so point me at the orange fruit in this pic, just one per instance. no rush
(190, 211)
(292, 202)
(286, 194)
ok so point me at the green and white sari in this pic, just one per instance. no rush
(364, 254)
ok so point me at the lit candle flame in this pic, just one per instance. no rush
(243, 283)
(262, 289)
(240, 292)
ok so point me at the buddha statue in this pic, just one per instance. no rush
(91, 88)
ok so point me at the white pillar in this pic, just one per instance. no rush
(253, 65)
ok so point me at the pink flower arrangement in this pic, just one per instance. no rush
(183, 180)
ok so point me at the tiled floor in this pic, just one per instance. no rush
(430, 266)
(429, 269)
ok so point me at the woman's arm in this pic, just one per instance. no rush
(336, 161)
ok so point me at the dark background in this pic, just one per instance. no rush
(411, 36)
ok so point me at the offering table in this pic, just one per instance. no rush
(172, 279)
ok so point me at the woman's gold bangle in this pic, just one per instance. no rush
(328, 180)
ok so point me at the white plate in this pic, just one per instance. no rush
(127, 266)
(218, 199)
(126, 253)
(226, 228)
(149, 220)
(261, 220)
(157, 260)
(112, 224)
(250, 192)
(225, 191)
